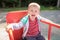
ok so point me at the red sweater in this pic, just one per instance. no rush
(33, 28)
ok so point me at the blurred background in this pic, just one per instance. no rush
(50, 9)
(17, 4)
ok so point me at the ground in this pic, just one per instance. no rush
(53, 15)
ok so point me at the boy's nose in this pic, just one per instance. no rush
(34, 12)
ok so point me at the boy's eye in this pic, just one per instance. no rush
(31, 10)
(35, 10)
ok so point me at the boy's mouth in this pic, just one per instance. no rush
(32, 15)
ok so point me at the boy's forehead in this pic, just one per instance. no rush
(33, 6)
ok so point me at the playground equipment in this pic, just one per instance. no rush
(15, 16)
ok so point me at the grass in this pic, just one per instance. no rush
(14, 9)
(49, 8)
(25, 8)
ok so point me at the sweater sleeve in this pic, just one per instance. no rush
(43, 19)
(18, 25)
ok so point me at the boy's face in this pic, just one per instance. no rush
(33, 11)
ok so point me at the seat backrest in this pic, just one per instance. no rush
(13, 17)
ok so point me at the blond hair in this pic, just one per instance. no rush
(36, 4)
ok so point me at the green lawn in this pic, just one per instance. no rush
(14, 9)
(49, 8)
(24, 8)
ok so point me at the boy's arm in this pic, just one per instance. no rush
(43, 19)
(15, 26)
(18, 25)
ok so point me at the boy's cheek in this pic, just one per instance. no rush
(38, 13)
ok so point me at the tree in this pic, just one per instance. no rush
(58, 3)
(3, 3)
(19, 3)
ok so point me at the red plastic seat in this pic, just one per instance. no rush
(13, 17)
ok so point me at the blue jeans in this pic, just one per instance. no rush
(38, 37)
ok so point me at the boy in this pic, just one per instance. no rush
(31, 23)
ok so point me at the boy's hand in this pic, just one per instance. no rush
(10, 26)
